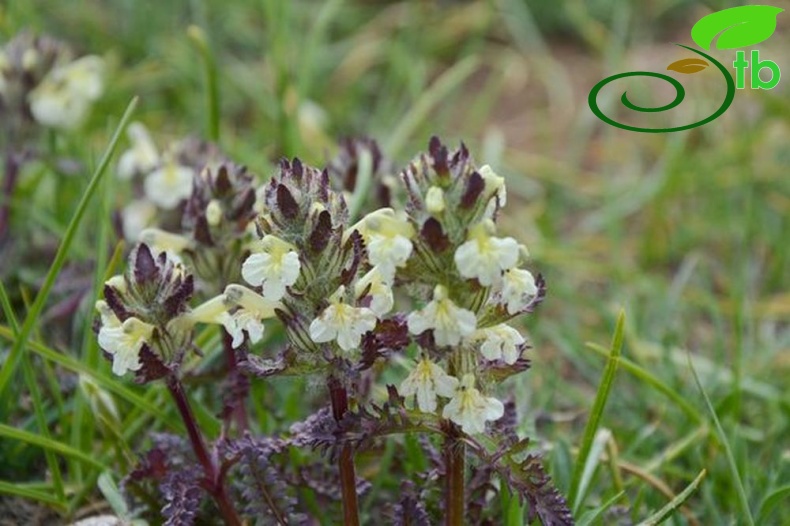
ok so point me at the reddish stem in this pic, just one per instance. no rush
(454, 451)
(239, 413)
(11, 173)
(215, 482)
(345, 461)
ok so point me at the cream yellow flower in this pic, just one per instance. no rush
(63, 98)
(387, 237)
(427, 380)
(342, 322)
(518, 288)
(500, 342)
(142, 157)
(122, 340)
(274, 264)
(379, 290)
(169, 184)
(449, 322)
(470, 409)
(483, 256)
(239, 310)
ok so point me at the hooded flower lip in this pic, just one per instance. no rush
(387, 237)
(518, 288)
(63, 98)
(427, 380)
(142, 157)
(483, 256)
(500, 342)
(123, 340)
(274, 264)
(470, 409)
(378, 288)
(238, 310)
(169, 184)
(449, 322)
(342, 322)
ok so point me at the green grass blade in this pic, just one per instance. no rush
(11, 363)
(672, 506)
(596, 514)
(35, 395)
(445, 84)
(13, 433)
(602, 437)
(647, 377)
(590, 430)
(200, 40)
(736, 476)
(771, 501)
(44, 497)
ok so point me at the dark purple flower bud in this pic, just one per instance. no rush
(321, 234)
(474, 187)
(145, 268)
(288, 206)
(433, 235)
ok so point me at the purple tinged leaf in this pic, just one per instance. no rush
(322, 232)
(145, 268)
(222, 184)
(433, 235)
(114, 301)
(203, 231)
(474, 187)
(288, 206)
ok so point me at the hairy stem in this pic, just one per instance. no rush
(454, 451)
(345, 461)
(215, 483)
(238, 391)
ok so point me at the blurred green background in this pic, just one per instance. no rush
(687, 232)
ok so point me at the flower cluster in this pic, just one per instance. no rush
(40, 82)
(472, 285)
(428, 275)
(140, 313)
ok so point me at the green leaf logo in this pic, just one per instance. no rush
(741, 26)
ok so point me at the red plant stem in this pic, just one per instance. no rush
(11, 173)
(345, 461)
(239, 410)
(215, 484)
(454, 460)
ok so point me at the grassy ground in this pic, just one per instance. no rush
(687, 233)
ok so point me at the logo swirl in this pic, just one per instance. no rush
(680, 94)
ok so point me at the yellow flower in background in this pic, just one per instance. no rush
(142, 157)
(64, 97)
(169, 184)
